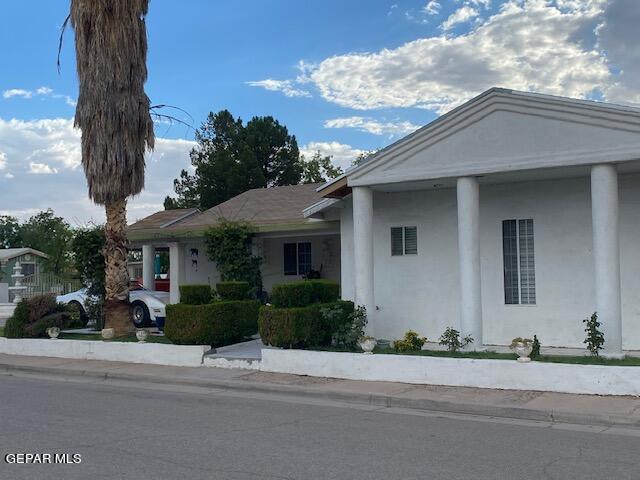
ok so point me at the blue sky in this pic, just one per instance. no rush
(344, 76)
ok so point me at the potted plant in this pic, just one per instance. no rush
(367, 344)
(523, 348)
(53, 332)
(141, 335)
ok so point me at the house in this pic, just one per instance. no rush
(289, 243)
(30, 261)
(512, 215)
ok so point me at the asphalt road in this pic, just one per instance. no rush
(147, 432)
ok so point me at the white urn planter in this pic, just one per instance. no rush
(523, 350)
(53, 332)
(142, 335)
(367, 344)
(107, 333)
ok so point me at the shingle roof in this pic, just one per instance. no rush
(261, 206)
(163, 219)
(8, 253)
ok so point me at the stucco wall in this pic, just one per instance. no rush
(325, 253)
(422, 291)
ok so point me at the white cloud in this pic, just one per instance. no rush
(341, 154)
(432, 7)
(44, 91)
(462, 15)
(3, 160)
(528, 45)
(285, 86)
(53, 145)
(41, 169)
(17, 92)
(370, 125)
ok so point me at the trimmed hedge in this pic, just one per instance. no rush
(304, 292)
(233, 290)
(301, 327)
(195, 294)
(215, 324)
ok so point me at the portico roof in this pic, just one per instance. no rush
(502, 131)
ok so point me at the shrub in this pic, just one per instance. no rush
(195, 294)
(33, 316)
(595, 337)
(349, 330)
(451, 338)
(302, 326)
(535, 348)
(410, 343)
(304, 293)
(233, 290)
(215, 324)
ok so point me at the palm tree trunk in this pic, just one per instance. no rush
(116, 273)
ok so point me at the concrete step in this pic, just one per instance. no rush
(6, 310)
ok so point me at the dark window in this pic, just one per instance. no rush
(297, 258)
(28, 269)
(519, 262)
(404, 240)
(290, 259)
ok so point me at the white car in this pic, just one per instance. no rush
(147, 306)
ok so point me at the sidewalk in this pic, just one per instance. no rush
(528, 405)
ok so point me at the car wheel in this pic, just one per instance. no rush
(83, 315)
(140, 315)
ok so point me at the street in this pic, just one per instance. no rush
(151, 432)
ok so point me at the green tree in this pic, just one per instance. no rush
(231, 158)
(318, 169)
(362, 157)
(229, 246)
(10, 232)
(87, 246)
(51, 235)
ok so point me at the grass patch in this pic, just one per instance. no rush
(575, 360)
(127, 338)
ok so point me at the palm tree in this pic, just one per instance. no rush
(113, 114)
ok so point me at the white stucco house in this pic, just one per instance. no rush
(512, 215)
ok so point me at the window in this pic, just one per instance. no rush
(404, 240)
(297, 258)
(519, 262)
(28, 269)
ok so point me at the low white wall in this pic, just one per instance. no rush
(153, 353)
(458, 372)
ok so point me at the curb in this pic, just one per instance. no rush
(376, 400)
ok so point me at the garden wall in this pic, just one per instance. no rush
(153, 353)
(459, 372)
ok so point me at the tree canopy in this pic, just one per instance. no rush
(319, 169)
(231, 157)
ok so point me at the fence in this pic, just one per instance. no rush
(41, 283)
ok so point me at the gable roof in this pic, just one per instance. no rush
(163, 218)
(586, 112)
(269, 209)
(9, 253)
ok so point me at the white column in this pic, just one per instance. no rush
(469, 259)
(176, 269)
(149, 267)
(606, 255)
(363, 247)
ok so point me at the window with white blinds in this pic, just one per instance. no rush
(519, 262)
(404, 241)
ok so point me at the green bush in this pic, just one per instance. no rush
(233, 290)
(33, 316)
(304, 293)
(195, 294)
(301, 327)
(411, 342)
(215, 324)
